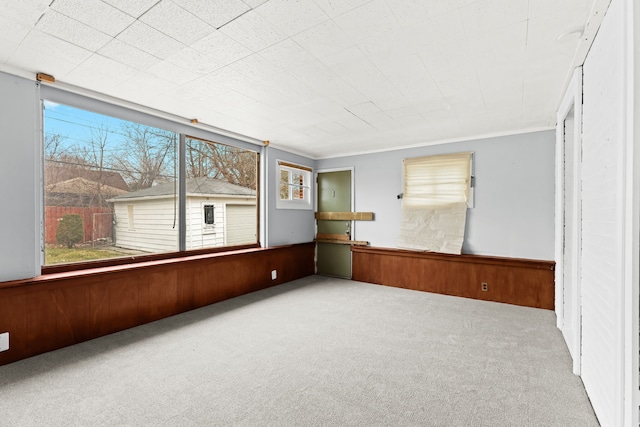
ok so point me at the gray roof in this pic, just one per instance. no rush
(195, 186)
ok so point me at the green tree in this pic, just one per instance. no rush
(70, 230)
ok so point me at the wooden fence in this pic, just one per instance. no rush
(98, 222)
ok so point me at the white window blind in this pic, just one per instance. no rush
(434, 203)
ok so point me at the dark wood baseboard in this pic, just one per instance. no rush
(56, 310)
(510, 280)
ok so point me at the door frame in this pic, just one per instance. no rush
(316, 193)
(571, 99)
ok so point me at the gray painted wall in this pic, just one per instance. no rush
(286, 226)
(514, 194)
(20, 177)
(514, 198)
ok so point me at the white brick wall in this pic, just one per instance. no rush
(603, 217)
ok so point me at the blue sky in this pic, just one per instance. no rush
(77, 125)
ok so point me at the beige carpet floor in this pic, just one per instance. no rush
(313, 352)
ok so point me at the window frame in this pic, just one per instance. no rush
(146, 117)
(205, 207)
(470, 196)
(305, 203)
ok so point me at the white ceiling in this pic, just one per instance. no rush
(317, 77)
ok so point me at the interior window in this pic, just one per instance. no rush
(294, 186)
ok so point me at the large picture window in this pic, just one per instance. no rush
(112, 189)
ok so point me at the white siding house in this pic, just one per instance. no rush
(218, 214)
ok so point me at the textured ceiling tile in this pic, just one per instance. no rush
(239, 100)
(144, 86)
(70, 30)
(286, 54)
(486, 16)
(254, 3)
(266, 95)
(448, 62)
(45, 44)
(292, 16)
(172, 72)
(194, 61)
(552, 7)
(445, 30)
(391, 43)
(419, 71)
(409, 12)
(372, 19)
(409, 75)
(11, 32)
(255, 67)
(228, 78)
(134, 8)
(323, 39)
(253, 31)
(96, 14)
(222, 48)
(354, 123)
(215, 12)
(298, 90)
(25, 12)
(174, 21)
(200, 90)
(362, 75)
(544, 30)
(150, 40)
(333, 128)
(326, 82)
(100, 73)
(508, 44)
(127, 54)
(334, 8)
(39, 52)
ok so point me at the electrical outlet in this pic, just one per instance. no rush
(484, 286)
(274, 274)
(4, 341)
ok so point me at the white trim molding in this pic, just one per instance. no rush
(572, 101)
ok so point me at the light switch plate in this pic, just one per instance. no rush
(274, 274)
(4, 341)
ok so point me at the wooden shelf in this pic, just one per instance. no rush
(345, 216)
(343, 242)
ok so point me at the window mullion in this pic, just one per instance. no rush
(182, 195)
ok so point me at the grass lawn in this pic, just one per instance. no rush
(63, 255)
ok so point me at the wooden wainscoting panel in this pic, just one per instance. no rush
(124, 305)
(98, 309)
(515, 281)
(158, 294)
(13, 319)
(67, 307)
(42, 333)
(72, 323)
(203, 285)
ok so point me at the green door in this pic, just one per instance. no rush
(334, 195)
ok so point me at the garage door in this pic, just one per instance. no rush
(241, 224)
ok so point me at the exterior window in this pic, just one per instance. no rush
(435, 201)
(222, 184)
(209, 218)
(99, 171)
(294, 186)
